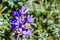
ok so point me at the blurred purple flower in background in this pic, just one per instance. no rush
(19, 20)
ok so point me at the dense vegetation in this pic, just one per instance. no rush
(46, 14)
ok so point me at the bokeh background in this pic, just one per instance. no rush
(46, 14)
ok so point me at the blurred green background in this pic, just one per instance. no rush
(46, 25)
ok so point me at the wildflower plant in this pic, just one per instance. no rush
(46, 20)
(17, 23)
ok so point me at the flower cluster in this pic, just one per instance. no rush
(19, 20)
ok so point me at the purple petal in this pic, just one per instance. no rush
(29, 20)
(26, 29)
(23, 29)
(26, 19)
(12, 26)
(19, 13)
(20, 25)
(24, 33)
(19, 30)
(18, 20)
(16, 35)
(14, 13)
(29, 32)
(13, 20)
(28, 9)
(22, 8)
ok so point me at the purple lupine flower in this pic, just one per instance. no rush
(29, 19)
(19, 30)
(27, 32)
(27, 10)
(12, 26)
(19, 20)
(18, 13)
(16, 35)
(22, 8)
(14, 13)
(12, 20)
(23, 29)
(24, 33)
(23, 11)
(20, 25)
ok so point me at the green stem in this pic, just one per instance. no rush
(3, 9)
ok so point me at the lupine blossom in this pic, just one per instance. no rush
(19, 20)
